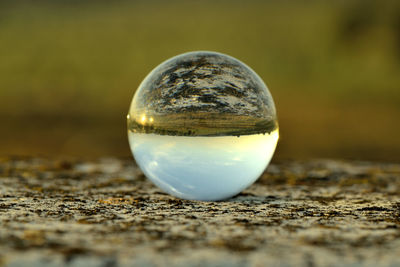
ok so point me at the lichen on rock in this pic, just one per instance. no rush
(105, 212)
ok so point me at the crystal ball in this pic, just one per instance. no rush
(202, 126)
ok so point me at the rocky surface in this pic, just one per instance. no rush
(204, 82)
(202, 94)
(106, 213)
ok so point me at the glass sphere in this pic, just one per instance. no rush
(202, 126)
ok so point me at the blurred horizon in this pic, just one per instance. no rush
(69, 70)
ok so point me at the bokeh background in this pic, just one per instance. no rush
(69, 69)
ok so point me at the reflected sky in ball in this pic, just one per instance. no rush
(203, 168)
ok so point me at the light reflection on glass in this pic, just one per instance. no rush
(203, 168)
(202, 125)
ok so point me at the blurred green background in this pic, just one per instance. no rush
(69, 69)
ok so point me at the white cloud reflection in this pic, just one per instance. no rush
(203, 168)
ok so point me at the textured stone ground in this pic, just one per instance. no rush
(105, 213)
